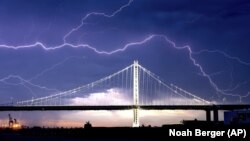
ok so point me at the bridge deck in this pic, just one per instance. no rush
(124, 107)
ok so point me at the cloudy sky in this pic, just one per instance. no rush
(42, 46)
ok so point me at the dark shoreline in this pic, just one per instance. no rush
(114, 133)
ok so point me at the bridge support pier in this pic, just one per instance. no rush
(136, 94)
(216, 115)
(208, 115)
(136, 118)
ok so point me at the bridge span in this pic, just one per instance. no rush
(206, 108)
(131, 88)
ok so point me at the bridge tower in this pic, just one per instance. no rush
(136, 94)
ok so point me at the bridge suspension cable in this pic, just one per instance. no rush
(96, 86)
(117, 89)
(170, 90)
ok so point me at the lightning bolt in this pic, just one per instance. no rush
(191, 53)
(244, 96)
(236, 86)
(147, 39)
(41, 45)
(23, 82)
(95, 14)
(54, 66)
(224, 54)
(213, 74)
(237, 59)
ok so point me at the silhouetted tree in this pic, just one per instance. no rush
(87, 125)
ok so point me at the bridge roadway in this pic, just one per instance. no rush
(125, 107)
(207, 108)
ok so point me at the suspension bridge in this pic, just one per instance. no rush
(133, 87)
